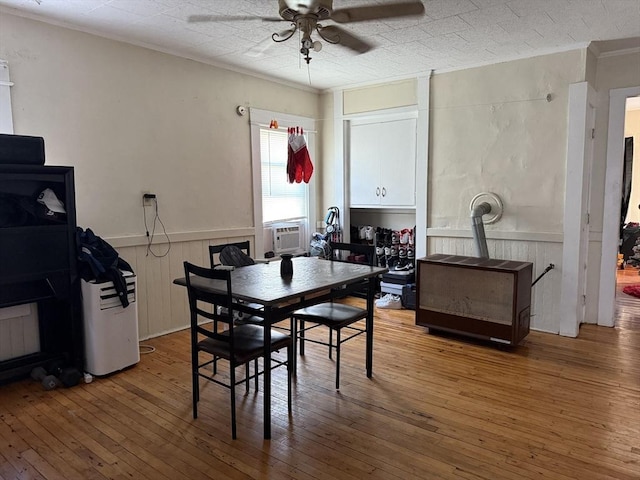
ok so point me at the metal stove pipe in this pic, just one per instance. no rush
(477, 227)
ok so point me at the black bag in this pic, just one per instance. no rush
(100, 261)
(233, 256)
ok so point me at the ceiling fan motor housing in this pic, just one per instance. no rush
(320, 8)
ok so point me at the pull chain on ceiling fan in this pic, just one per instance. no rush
(305, 18)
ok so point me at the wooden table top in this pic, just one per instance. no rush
(262, 283)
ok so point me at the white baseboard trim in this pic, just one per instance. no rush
(165, 332)
(497, 235)
(542, 330)
(138, 240)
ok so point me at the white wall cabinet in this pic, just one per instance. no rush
(382, 162)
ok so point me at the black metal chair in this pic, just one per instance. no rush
(245, 246)
(214, 250)
(334, 315)
(238, 344)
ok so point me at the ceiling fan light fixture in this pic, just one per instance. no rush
(292, 8)
(305, 17)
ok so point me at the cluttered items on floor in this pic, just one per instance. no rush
(633, 290)
(395, 250)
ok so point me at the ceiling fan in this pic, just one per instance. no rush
(305, 16)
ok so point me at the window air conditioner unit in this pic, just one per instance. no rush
(287, 238)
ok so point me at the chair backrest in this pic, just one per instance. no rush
(353, 253)
(214, 250)
(195, 274)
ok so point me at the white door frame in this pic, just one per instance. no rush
(341, 128)
(576, 226)
(612, 199)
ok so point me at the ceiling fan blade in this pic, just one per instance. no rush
(229, 18)
(377, 12)
(335, 34)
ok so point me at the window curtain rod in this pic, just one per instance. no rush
(284, 128)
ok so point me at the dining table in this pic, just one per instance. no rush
(314, 280)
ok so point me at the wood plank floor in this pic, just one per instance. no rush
(437, 408)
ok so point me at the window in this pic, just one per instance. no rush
(275, 199)
(281, 200)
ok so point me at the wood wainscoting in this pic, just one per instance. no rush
(163, 306)
(437, 407)
(541, 250)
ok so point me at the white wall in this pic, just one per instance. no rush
(130, 119)
(614, 71)
(493, 129)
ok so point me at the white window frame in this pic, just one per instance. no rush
(261, 119)
(6, 116)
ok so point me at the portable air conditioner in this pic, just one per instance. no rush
(286, 238)
(110, 330)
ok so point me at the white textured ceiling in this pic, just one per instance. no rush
(452, 34)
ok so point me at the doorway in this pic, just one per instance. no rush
(628, 306)
(612, 205)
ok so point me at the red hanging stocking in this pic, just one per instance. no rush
(291, 165)
(301, 158)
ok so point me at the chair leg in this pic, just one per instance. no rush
(195, 394)
(330, 342)
(290, 364)
(294, 336)
(255, 370)
(246, 377)
(195, 385)
(215, 359)
(232, 378)
(301, 337)
(338, 359)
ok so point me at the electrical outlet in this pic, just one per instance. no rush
(147, 198)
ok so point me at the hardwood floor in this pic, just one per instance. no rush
(437, 408)
(627, 306)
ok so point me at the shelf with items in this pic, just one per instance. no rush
(395, 249)
(38, 262)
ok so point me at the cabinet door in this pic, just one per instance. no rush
(382, 156)
(398, 170)
(364, 165)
